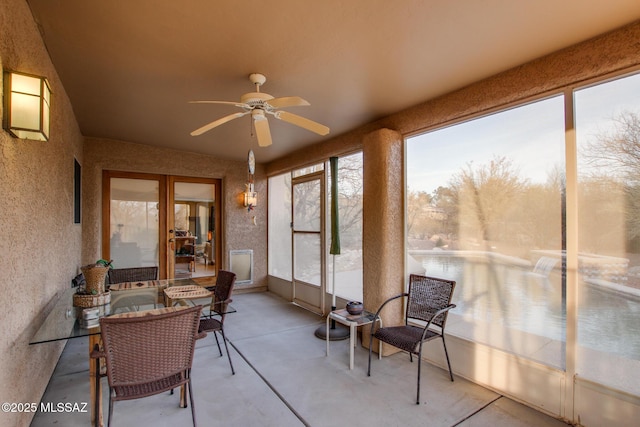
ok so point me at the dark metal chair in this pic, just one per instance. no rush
(219, 302)
(428, 300)
(147, 355)
(132, 274)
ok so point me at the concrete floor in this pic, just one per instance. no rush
(284, 378)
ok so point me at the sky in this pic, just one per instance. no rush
(531, 136)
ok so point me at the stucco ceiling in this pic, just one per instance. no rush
(131, 66)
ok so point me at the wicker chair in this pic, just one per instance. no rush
(219, 302)
(132, 274)
(147, 355)
(429, 300)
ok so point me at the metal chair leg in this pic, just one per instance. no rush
(110, 408)
(217, 342)
(419, 369)
(193, 408)
(224, 339)
(446, 353)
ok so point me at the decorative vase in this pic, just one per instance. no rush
(94, 276)
(355, 307)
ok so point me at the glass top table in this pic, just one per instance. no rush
(63, 322)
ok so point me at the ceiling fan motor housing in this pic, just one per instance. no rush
(255, 99)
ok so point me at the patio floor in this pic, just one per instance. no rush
(283, 378)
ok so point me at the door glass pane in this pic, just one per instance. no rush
(484, 208)
(307, 265)
(194, 227)
(134, 222)
(280, 226)
(306, 210)
(608, 137)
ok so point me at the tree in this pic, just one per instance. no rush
(418, 203)
(486, 196)
(616, 151)
(612, 183)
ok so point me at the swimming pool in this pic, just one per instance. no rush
(508, 296)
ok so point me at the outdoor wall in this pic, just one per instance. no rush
(40, 248)
(239, 232)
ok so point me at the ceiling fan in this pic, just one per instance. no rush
(259, 105)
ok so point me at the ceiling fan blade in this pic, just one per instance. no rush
(236, 104)
(302, 122)
(263, 133)
(218, 122)
(287, 101)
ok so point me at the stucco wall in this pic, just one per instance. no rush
(239, 232)
(40, 248)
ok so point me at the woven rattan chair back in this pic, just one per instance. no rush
(222, 292)
(426, 296)
(132, 274)
(147, 355)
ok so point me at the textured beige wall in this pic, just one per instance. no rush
(383, 226)
(239, 231)
(40, 248)
(383, 216)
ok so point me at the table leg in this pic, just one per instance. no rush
(352, 342)
(183, 396)
(94, 385)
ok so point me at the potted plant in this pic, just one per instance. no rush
(93, 294)
(95, 274)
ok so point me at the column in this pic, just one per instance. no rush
(383, 226)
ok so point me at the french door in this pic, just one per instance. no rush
(165, 221)
(308, 241)
(193, 224)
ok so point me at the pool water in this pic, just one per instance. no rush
(511, 297)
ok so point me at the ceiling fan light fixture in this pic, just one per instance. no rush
(258, 115)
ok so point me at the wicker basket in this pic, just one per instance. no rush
(86, 301)
(94, 276)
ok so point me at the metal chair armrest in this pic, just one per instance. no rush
(435, 316)
(377, 315)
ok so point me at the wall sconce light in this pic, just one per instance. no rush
(27, 100)
(250, 197)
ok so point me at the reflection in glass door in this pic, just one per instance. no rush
(193, 249)
(132, 236)
(308, 252)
